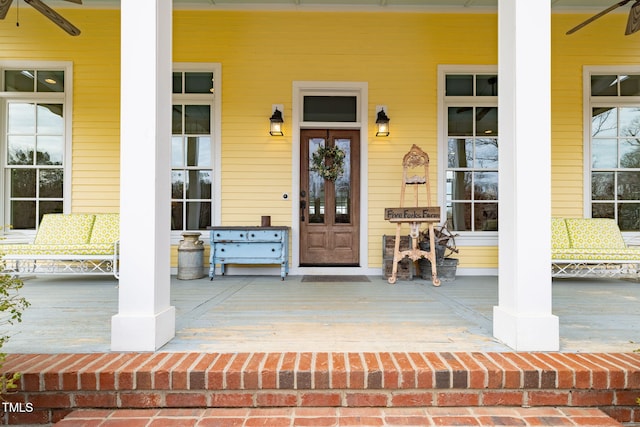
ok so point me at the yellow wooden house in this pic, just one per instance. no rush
(83, 130)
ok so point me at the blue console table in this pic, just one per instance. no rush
(249, 245)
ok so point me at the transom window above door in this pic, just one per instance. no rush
(324, 108)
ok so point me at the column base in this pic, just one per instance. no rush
(142, 332)
(530, 332)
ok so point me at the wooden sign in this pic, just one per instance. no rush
(429, 213)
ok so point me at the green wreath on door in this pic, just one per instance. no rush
(328, 162)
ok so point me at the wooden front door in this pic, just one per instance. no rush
(329, 209)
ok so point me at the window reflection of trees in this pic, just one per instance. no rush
(34, 150)
(473, 177)
(193, 187)
(50, 183)
(604, 122)
(36, 183)
(343, 185)
(615, 160)
(316, 185)
(192, 176)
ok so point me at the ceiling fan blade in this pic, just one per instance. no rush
(75, 1)
(54, 16)
(633, 23)
(599, 15)
(4, 7)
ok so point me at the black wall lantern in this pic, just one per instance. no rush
(382, 123)
(276, 121)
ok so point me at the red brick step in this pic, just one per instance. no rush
(276, 417)
(385, 383)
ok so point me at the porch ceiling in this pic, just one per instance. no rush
(449, 5)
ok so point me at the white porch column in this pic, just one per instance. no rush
(145, 320)
(523, 318)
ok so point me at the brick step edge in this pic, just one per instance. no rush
(274, 417)
(57, 384)
(322, 371)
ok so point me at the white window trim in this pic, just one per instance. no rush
(587, 72)
(466, 238)
(216, 145)
(67, 99)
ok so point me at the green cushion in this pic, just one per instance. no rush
(594, 233)
(559, 234)
(56, 229)
(71, 234)
(622, 254)
(106, 228)
(40, 250)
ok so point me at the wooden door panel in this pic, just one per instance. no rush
(343, 240)
(329, 220)
(317, 240)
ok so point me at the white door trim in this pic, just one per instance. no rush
(360, 89)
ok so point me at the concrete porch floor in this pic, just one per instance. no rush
(263, 313)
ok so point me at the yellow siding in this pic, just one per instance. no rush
(263, 53)
(260, 62)
(95, 55)
(601, 43)
(479, 257)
